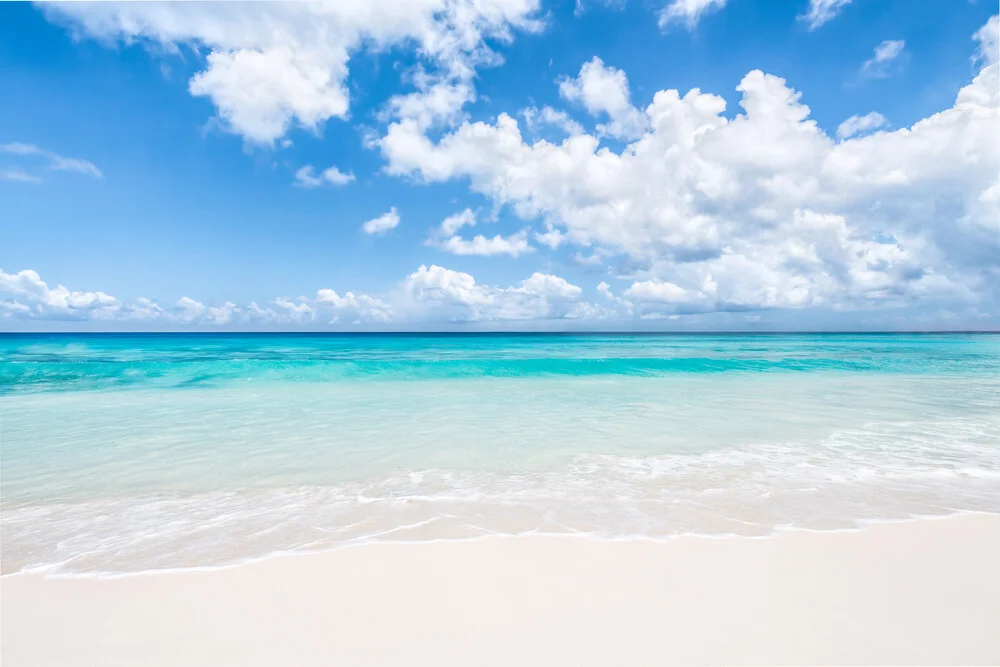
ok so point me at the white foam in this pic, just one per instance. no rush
(854, 476)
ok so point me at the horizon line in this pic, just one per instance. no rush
(501, 332)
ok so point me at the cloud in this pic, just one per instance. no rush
(429, 294)
(514, 245)
(453, 223)
(447, 295)
(989, 41)
(761, 210)
(354, 308)
(624, 306)
(552, 237)
(446, 238)
(821, 11)
(536, 119)
(885, 53)
(296, 309)
(656, 291)
(589, 262)
(306, 178)
(687, 12)
(604, 90)
(860, 124)
(273, 66)
(24, 295)
(382, 223)
(257, 93)
(18, 175)
(191, 311)
(53, 162)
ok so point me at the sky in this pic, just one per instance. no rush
(500, 165)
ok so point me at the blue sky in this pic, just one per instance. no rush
(152, 165)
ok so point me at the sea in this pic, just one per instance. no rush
(122, 453)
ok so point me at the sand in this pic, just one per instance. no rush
(920, 592)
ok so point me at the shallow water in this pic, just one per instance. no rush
(121, 453)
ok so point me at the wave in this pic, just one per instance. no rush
(879, 472)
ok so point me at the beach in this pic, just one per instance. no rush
(915, 592)
(239, 499)
(499, 332)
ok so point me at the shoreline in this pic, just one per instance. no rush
(912, 591)
(51, 572)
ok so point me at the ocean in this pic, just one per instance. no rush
(128, 452)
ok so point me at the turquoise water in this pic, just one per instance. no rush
(128, 452)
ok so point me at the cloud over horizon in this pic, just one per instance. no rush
(683, 205)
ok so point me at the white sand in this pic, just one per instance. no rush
(921, 592)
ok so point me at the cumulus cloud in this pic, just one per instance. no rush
(878, 66)
(453, 223)
(24, 295)
(446, 238)
(49, 161)
(536, 119)
(821, 11)
(603, 90)
(861, 124)
(306, 177)
(758, 210)
(448, 295)
(269, 66)
(656, 291)
(382, 223)
(354, 308)
(429, 294)
(514, 245)
(989, 41)
(688, 12)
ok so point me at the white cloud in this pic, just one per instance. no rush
(191, 311)
(624, 307)
(885, 53)
(296, 309)
(760, 210)
(861, 124)
(18, 175)
(272, 66)
(821, 11)
(354, 308)
(688, 12)
(382, 223)
(430, 294)
(656, 291)
(446, 238)
(446, 295)
(548, 285)
(25, 295)
(514, 245)
(604, 90)
(52, 162)
(453, 223)
(437, 99)
(258, 93)
(588, 262)
(552, 238)
(305, 177)
(18, 148)
(989, 41)
(536, 119)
